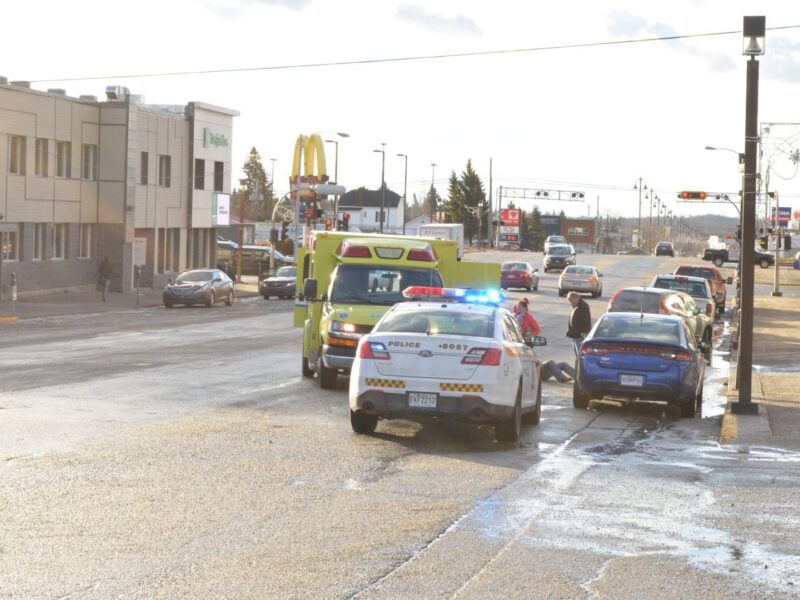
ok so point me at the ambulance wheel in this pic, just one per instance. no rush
(307, 372)
(327, 377)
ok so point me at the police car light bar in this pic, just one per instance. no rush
(465, 295)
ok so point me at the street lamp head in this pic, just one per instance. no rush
(400, 154)
(379, 151)
(754, 43)
(342, 134)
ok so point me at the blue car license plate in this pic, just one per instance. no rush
(632, 380)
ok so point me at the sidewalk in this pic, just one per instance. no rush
(63, 302)
(776, 378)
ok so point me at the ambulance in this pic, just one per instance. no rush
(346, 282)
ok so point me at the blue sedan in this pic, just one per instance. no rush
(641, 357)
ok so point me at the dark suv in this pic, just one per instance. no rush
(665, 249)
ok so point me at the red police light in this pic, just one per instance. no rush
(692, 195)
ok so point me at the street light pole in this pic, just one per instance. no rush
(433, 191)
(405, 189)
(754, 32)
(640, 209)
(383, 181)
(336, 177)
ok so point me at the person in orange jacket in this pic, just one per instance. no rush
(529, 325)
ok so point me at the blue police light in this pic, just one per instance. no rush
(454, 295)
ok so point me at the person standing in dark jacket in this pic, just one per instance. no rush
(580, 320)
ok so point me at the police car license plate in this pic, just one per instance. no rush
(421, 400)
(632, 380)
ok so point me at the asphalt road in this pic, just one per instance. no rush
(179, 454)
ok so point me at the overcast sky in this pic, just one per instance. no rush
(591, 119)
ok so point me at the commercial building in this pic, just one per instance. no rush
(82, 178)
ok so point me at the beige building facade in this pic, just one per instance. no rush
(82, 178)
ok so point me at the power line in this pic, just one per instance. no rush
(397, 59)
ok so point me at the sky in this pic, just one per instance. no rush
(592, 119)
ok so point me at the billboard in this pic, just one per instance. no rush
(510, 217)
(220, 209)
(784, 216)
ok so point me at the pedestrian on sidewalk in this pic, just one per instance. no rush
(105, 276)
(580, 320)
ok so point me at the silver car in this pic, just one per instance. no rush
(580, 278)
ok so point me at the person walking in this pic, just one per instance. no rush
(529, 325)
(105, 276)
(580, 320)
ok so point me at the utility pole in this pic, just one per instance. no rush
(490, 224)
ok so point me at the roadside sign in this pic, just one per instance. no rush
(784, 215)
(508, 229)
(510, 216)
(140, 251)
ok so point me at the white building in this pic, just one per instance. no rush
(364, 208)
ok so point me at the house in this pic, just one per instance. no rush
(364, 208)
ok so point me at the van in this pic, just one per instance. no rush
(347, 281)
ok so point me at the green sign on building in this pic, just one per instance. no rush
(213, 139)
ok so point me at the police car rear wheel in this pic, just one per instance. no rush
(361, 423)
(509, 430)
(535, 415)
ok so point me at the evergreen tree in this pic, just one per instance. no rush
(432, 202)
(474, 196)
(536, 234)
(256, 182)
(455, 200)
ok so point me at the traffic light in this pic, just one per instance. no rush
(576, 195)
(345, 221)
(284, 231)
(328, 224)
(692, 195)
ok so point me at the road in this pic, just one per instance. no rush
(179, 454)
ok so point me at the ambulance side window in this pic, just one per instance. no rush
(307, 267)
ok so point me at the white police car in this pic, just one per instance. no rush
(447, 352)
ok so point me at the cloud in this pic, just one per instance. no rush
(782, 59)
(628, 25)
(233, 9)
(457, 25)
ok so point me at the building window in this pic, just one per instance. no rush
(41, 157)
(60, 241)
(38, 241)
(9, 245)
(16, 154)
(578, 231)
(144, 167)
(89, 162)
(164, 168)
(199, 174)
(219, 175)
(85, 241)
(64, 159)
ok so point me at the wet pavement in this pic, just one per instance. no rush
(179, 454)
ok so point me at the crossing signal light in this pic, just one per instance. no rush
(284, 231)
(346, 221)
(327, 224)
(692, 195)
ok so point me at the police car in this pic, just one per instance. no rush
(448, 352)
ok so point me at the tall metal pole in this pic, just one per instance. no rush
(776, 285)
(745, 351)
(433, 191)
(405, 189)
(490, 220)
(383, 182)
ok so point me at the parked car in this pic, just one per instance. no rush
(255, 259)
(199, 286)
(580, 278)
(641, 357)
(558, 257)
(697, 287)
(650, 300)
(519, 275)
(715, 280)
(665, 249)
(554, 240)
(282, 285)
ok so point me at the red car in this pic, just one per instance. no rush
(714, 278)
(519, 275)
